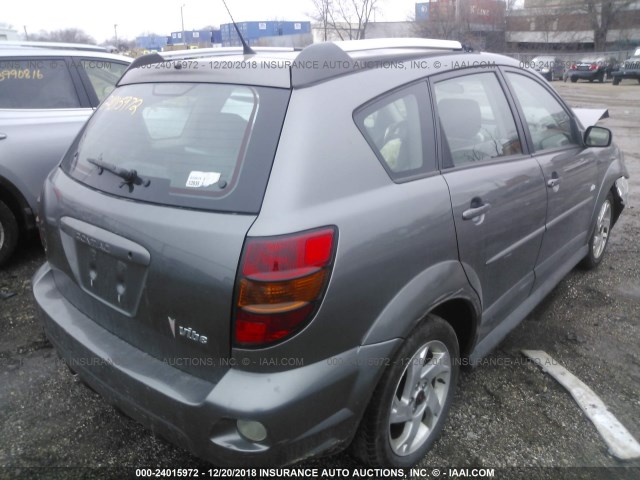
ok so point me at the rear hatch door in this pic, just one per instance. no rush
(147, 217)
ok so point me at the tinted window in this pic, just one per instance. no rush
(201, 145)
(395, 129)
(549, 124)
(475, 119)
(102, 74)
(36, 84)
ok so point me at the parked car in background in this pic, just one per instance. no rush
(46, 95)
(550, 67)
(269, 262)
(588, 69)
(630, 68)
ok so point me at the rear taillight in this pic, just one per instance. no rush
(593, 66)
(574, 67)
(280, 285)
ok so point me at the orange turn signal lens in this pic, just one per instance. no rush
(278, 297)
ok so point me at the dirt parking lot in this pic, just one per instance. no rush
(507, 412)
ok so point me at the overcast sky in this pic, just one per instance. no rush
(135, 17)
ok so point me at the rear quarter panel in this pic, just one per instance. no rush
(397, 254)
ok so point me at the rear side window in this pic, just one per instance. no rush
(395, 128)
(207, 146)
(36, 83)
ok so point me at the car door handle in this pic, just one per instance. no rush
(554, 182)
(476, 211)
(3, 136)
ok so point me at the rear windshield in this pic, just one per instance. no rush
(205, 146)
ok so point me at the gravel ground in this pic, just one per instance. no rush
(507, 412)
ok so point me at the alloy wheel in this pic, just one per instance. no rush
(601, 235)
(419, 398)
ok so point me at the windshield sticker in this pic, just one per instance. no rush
(124, 104)
(202, 179)
(24, 74)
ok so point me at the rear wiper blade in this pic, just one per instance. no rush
(130, 177)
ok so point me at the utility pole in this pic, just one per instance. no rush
(26, 34)
(184, 40)
(115, 31)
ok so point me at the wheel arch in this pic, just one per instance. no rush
(461, 315)
(615, 170)
(442, 290)
(12, 198)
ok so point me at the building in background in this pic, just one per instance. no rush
(477, 23)
(195, 38)
(390, 30)
(204, 38)
(268, 33)
(8, 33)
(546, 25)
(152, 42)
(344, 31)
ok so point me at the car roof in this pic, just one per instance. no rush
(286, 67)
(16, 52)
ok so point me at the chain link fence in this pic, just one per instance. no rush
(617, 56)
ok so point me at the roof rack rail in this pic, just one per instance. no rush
(329, 59)
(408, 43)
(52, 45)
(173, 55)
(335, 59)
(216, 51)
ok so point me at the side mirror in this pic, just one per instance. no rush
(597, 137)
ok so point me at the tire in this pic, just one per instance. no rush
(600, 235)
(8, 233)
(574, 79)
(616, 80)
(429, 355)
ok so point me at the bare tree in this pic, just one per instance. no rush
(71, 35)
(120, 44)
(363, 10)
(321, 15)
(344, 19)
(512, 5)
(603, 15)
(547, 24)
(443, 22)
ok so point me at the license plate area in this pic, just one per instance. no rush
(108, 267)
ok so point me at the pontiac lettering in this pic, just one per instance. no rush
(92, 242)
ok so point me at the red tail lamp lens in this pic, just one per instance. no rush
(282, 281)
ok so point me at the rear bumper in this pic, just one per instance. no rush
(626, 74)
(586, 74)
(307, 411)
